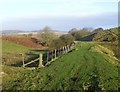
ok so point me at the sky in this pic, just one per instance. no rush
(63, 15)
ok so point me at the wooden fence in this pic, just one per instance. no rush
(46, 58)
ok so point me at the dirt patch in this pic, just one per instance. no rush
(25, 41)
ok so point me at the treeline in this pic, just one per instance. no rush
(49, 38)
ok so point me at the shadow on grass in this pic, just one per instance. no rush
(32, 55)
(28, 57)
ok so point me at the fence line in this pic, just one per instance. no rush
(50, 55)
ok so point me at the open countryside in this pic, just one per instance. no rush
(87, 65)
(60, 45)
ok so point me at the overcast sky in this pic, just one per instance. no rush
(58, 14)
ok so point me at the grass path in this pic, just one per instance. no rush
(88, 67)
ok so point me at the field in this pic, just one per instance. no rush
(89, 66)
(22, 40)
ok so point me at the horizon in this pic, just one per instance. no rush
(61, 15)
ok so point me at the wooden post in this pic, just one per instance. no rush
(66, 49)
(52, 54)
(47, 56)
(63, 50)
(55, 53)
(23, 59)
(40, 60)
(60, 51)
(71, 47)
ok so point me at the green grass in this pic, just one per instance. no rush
(10, 47)
(81, 69)
(10, 51)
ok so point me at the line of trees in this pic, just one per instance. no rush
(49, 38)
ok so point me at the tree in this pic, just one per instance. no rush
(56, 43)
(67, 39)
(46, 36)
(77, 34)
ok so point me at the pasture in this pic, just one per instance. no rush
(89, 66)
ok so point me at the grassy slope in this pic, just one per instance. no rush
(10, 47)
(80, 69)
(10, 50)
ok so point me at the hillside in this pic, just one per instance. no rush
(22, 40)
(108, 35)
(89, 67)
(88, 37)
(11, 52)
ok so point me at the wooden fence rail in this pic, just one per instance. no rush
(50, 55)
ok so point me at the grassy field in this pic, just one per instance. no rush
(10, 47)
(89, 67)
(11, 51)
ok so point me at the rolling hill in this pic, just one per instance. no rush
(22, 40)
(89, 66)
(109, 35)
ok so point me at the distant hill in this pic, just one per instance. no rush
(11, 31)
(29, 32)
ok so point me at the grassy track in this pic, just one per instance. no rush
(88, 67)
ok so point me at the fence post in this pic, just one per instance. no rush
(66, 49)
(52, 54)
(70, 47)
(55, 53)
(63, 49)
(40, 60)
(47, 56)
(23, 60)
